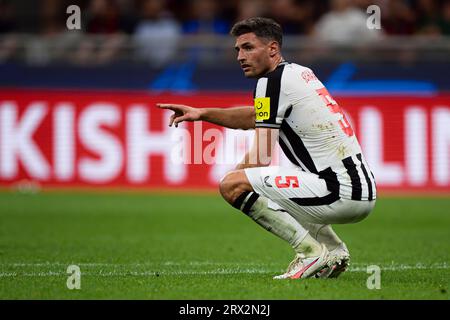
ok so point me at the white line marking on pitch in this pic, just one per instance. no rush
(419, 265)
(361, 268)
(144, 264)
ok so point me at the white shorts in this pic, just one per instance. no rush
(305, 196)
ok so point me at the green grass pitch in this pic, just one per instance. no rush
(191, 246)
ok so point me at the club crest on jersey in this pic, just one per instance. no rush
(262, 108)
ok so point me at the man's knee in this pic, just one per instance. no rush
(233, 184)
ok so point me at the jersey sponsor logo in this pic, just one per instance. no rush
(262, 108)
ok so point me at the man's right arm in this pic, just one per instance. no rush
(233, 118)
(262, 150)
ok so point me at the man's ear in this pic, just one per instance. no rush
(274, 48)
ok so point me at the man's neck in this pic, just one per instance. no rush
(276, 63)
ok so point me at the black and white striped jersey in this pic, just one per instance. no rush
(314, 133)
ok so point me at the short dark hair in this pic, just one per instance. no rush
(262, 27)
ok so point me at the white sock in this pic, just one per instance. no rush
(323, 233)
(280, 223)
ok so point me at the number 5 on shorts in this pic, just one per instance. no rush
(291, 181)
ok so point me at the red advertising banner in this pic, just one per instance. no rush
(109, 139)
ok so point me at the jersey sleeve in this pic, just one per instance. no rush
(269, 100)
